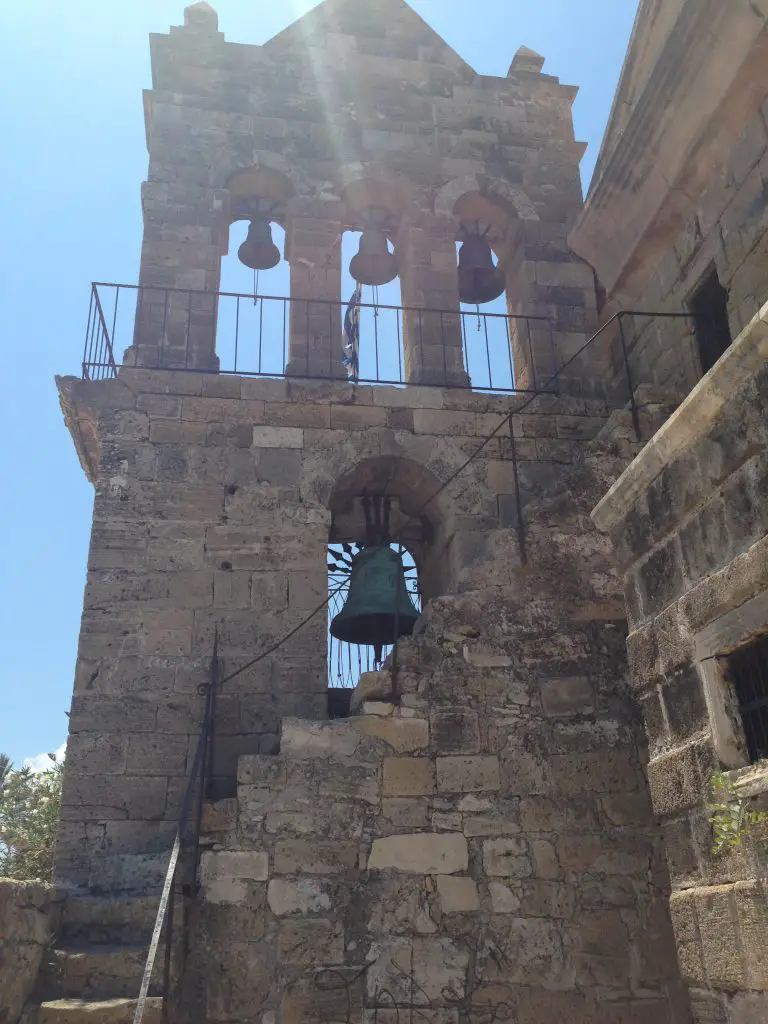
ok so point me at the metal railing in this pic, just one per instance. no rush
(181, 877)
(256, 335)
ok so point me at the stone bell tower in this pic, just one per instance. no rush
(475, 841)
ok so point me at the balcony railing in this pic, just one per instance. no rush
(273, 336)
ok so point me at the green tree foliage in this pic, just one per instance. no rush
(730, 815)
(29, 812)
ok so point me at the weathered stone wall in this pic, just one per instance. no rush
(477, 844)
(354, 107)
(689, 520)
(682, 180)
(29, 913)
(728, 230)
(214, 501)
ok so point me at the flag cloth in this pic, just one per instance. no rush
(350, 343)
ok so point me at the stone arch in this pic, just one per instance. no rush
(511, 200)
(420, 517)
(364, 185)
(270, 172)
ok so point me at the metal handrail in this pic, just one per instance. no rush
(200, 779)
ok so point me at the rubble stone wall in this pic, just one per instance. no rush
(689, 520)
(29, 913)
(476, 844)
(214, 502)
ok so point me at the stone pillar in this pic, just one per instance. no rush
(546, 279)
(426, 252)
(176, 304)
(313, 249)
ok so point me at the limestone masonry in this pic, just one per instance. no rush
(507, 821)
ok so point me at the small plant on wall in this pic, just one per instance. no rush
(730, 815)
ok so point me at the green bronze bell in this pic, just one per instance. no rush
(378, 606)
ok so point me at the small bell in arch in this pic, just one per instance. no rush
(258, 251)
(479, 279)
(374, 263)
(378, 607)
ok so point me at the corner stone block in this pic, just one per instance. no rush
(422, 853)
(719, 937)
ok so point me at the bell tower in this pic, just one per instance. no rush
(474, 840)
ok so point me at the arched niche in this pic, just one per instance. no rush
(419, 516)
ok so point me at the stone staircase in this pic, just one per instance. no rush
(94, 970)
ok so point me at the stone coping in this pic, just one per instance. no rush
(691, 421)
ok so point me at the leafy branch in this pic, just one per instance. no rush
(29, 812)
(730, 815)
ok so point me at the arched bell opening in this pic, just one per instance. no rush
(384, 562)
(255, 276)
(482, 230)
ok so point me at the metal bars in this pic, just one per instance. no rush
(260, 335)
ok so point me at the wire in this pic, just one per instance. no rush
(285, 639)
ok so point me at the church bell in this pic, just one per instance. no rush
(258, 251)
(479, 280)
(378, 603)
(374, 263)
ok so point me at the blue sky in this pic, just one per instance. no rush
(73, 158)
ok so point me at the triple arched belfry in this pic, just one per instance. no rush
(336, 125)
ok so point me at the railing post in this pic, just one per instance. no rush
(630, 385)
(518, 500)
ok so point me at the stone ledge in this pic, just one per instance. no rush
(692, 420)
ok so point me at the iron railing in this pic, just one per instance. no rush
(165, 328)
(181, 877)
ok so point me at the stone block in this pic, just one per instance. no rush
(423, 853)
(604, 772)
(403, 735)
(314, 857)
(310, 942)
(545, 861)
(503, 899)
(408, 776)
(457, 895)
(719, 931)
(328, 740)
(506, 858)
(226, 875)
(547, 899)
(298, 896)
(567, 696)
(460, 774)
(455, 731)
(357, 417)
(679, 780)
(278, 437)
(751, 901)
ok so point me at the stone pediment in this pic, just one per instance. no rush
(387, 20)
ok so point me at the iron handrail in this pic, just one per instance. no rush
(199, 779)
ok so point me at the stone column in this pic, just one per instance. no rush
(546, 279)
(176, 303)
(313, 249)
(426, 251)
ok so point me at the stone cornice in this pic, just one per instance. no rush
(691, 421)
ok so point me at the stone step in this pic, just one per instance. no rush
(104, 972)
(91, 1011)
(103, 920)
